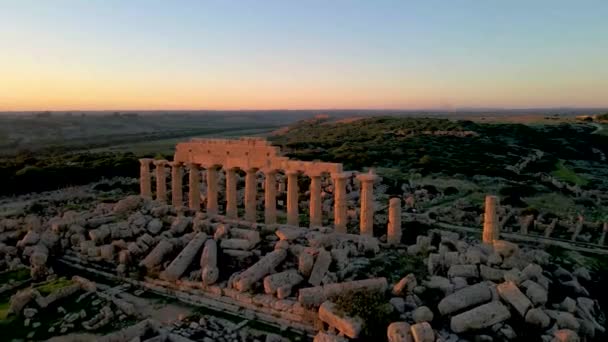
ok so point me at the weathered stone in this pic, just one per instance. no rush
(491, 274)
(325, 337)
(399, 332)
(241, 244)
(422, 332)
(155, 226)
(441, 283)
(126, 205)
(405, 285)
(564, 320)
(538, 318)
(504, 248)
(565, 335)
(465, 298)
(536, 293)
(208, 263)
(481, 317)
(179, 265)
(259, 270)
(349, 326)
(180, 224)
(510, 293)
(491, 227)
(311, 296)
(465, 271)
(320, 267)
(290, 233)
(285, 280)
(157, 255)
(422, 314)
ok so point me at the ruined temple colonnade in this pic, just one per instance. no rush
(253, 156)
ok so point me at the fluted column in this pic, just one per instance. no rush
(161, 180)
(212, 178)
(316, 213)
(394, 221)
(145, 186)
(366, 218)
(231, 201)
(177, 199)
(251, 188)
(194, 191)
(491, 230)
(340, 201)
(292, 198)
(270, 197)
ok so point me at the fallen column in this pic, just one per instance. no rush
(157, 255)
(282, 283)
(209, 270)
(394, 221)
(312, 296)
(259, 270)
(480, 317)
(320, 267)
(179, 265)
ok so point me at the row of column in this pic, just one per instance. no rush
(270, 213)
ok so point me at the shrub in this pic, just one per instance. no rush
(371, 307)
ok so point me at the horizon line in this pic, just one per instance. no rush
(447, 110)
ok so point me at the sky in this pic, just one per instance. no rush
(283, 54)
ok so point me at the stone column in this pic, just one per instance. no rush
(231, 211)
(491, 230)
(161, 180)
(394, 221)
(292, 198)
(340, 200)
(366, 218)
(270, 197)
(145, 187)
(194, 191)
(212, 178)
(316, 213)
(176, 184)
(251, 188)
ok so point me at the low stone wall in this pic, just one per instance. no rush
(262, 307)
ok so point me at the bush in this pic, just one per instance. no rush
(371, 307)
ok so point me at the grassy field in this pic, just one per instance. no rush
(566, 174)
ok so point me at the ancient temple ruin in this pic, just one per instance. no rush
(224, 226)
(254, 156)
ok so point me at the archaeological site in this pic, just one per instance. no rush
(234, 241)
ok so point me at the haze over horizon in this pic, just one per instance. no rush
(216, 55)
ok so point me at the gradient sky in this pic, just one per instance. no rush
(148, 54)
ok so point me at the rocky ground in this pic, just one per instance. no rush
(443, 287)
